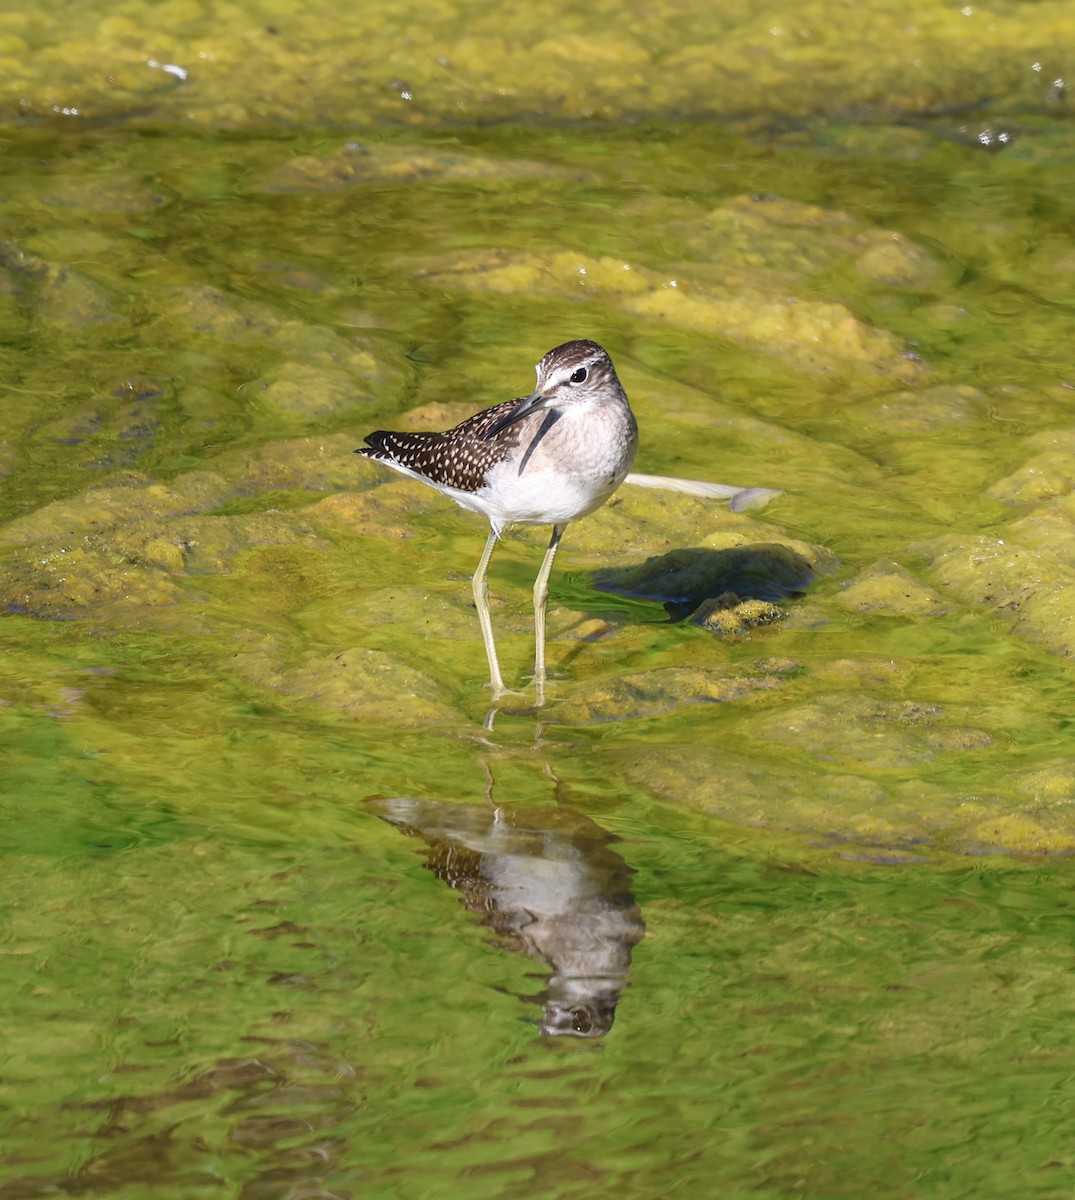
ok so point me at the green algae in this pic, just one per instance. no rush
(748, 308)
(223, 633)
(889, 588)
(420, 64)
(160, 483)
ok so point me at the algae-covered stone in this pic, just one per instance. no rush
(1048, 528)
(766, 230)
(862, 673)
(436, 416)
(366, 685)
(573, 275)
(729, 615)
(372, 686)
(415, 621)
(422, 615)
(309, 393)
(1052, 784)
(138, 560)
(381, 511)
(101, 194)
(637, 520)
(1033, 589)
(875, 734)
(317, 346)
(927, 410)
(889, 590)
(116, 435)
(58, 582)
(323, 463)
(815, 336)
(11, 287)
(212, 313)
(640, 521)
(754, 790)
(652, 694)
(864, 817)
(896, 261)
(212, 543)
(753, 309)
(97, 507)
(64, 299)
(1048, 471)
(209, 311)
(592, 629)
(796, 239)
(372, 66)
(355, 164)
(1018, 833)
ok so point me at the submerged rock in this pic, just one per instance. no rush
(378, 511)
(1048, 471)
(796, 239)
(318, 463)
(653, 693)
(64, 299)
(355, 164)
(212, 313)
(863, 816)
(847, 727)
(316, 67)
(924, 411)
(889, 590)
(1048, 528)
(137, 500)
(59, 582)
(753, 790)
(1032, 589)
(421, 615)
(750, 308)
(133, 560)
(366, 685)
(309, 393)
(101, 194)
(1018, 833)
(729, 615)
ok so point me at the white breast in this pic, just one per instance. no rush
(563, 474)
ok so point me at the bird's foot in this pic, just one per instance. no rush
(500, 691)
(503, 703)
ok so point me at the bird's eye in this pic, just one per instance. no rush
(579, 376)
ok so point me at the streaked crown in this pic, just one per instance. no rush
(579, 367)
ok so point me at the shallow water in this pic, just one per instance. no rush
(230, 650)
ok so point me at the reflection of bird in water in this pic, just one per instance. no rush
(546, 881)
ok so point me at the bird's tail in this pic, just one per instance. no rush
(740, 499)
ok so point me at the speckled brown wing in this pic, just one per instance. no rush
(459, 458)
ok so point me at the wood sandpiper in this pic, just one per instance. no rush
(547, 459)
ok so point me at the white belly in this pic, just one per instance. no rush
(564, 474)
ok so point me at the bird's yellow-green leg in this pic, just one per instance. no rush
(480, 585)
(541, 597)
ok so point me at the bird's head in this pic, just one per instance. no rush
(573, 375)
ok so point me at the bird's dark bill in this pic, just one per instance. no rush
(532, 403)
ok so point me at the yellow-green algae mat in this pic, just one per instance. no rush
(194, 348)
(225, 637)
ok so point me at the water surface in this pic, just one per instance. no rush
(230, 649)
